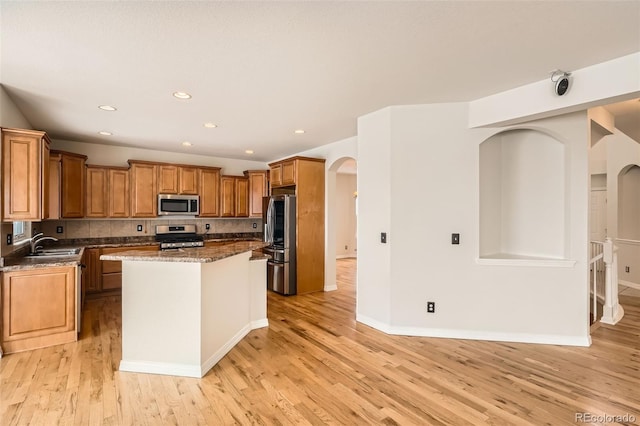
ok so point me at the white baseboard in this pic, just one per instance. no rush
(261, 323)
(346, 256)
(629, 284)
(546, 339)
(186, 370)
(333, 287)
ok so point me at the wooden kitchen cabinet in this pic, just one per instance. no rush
(307, 174)
(97, 195)
(119, 197)
(105, 276)
(107, 193)
(167, 179)
(174, 179)
(55, 178)
(283, 173)
(72, 183)
(234, 196)
(209, 180)
(38, 308)
(93, 272)
(188, 180)
(258, 188)
(25, 174)
(143, 180)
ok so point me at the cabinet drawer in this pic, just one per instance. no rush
(111, 266)
(111, 281)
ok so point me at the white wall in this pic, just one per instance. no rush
(10, 115)
(112, 155)
(345, 212)
(421, 165)
(606, 82)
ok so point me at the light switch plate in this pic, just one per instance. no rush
(383, 237)
(455, 238)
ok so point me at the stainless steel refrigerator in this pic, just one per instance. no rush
(280, 233)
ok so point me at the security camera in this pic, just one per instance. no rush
(562, 85)
(561, 80)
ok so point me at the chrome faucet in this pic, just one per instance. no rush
(37, 238)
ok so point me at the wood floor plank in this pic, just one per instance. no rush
(316, 365)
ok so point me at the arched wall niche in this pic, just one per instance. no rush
(629, 203)
(523, 182)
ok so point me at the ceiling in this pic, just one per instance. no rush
(260, 70)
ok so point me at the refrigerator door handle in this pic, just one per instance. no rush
(270, 224)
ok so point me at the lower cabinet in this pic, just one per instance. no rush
(38, 308)
(104, 276)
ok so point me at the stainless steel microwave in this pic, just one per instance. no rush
(174, 205)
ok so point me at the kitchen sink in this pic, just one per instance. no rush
(55, 252)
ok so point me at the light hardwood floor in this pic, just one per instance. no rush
(316, 365)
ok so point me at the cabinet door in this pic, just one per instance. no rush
(93, 273)
(118, 192)
(242, 197)
(258, 188)
(23, 169)
(227, 196)
(289, 173)
(167, 179)
(38, 308)
(188, 180)
(276, 175)
(144, 190)
(97, 199)
(73, 181)
(209, 192)
(55, 176)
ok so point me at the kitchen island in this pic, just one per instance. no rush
(183, 310)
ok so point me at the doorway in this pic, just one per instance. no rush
(341, 216)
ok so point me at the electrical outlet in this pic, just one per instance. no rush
(139, 228)
(59, 229)
(455, 238)
(207, 226)
(431, 307)
(255, 225)
(346, 247)
(627, 269)
(9, 239)
(383, 237)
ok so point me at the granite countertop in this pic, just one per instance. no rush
(18, 261)
(188, 255)
(26, 262)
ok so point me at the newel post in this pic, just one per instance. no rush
(612, 312)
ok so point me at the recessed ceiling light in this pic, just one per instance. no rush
(248, 151)
(182, 95)
(298, 131)
(103, 133)
(210, 125)
(107, 108)
(185, 143)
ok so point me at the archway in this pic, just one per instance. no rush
(336, 194)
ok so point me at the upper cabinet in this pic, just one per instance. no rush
(209, 181)
(283, 173)
(173, 179)
(143, 180)
(107, 193)
(97, 197)
(119, 200)
(25, 172)
(55, 178)
(72, 182)
(234, 196)
(258, 188)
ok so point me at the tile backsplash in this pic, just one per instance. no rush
(102, 228)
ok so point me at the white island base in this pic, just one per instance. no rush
(181, 318)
